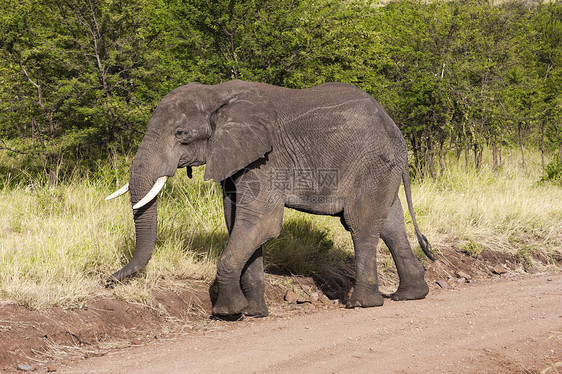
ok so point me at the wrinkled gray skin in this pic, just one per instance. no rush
(329, 149)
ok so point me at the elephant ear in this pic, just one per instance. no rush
(242, 133)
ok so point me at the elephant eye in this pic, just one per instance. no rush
(183, 136)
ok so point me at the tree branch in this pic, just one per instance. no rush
(3, 146)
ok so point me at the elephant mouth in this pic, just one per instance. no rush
(156, 188)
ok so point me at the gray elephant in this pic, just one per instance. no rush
(330, 149)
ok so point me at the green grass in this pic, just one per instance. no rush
(59, 242)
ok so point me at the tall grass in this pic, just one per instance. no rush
(59, 241)
(506, 210)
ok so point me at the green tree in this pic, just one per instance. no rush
(80, 78)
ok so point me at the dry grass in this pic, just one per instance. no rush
(507, 210)
(59, 243)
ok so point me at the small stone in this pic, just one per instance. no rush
(291, 297)
(51, 369)
(314, 296)
(295, 307)
(499, 269)
(443, 284)
(323, 299)
(309, 305)
(25, 367)
(462, 274)
(97, 353)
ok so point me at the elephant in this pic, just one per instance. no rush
(330, 149)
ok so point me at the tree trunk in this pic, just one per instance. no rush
(495, 156)
(477, 156)
(520, 131)
(430, 159)
(542, 145)
(500, 155)
(33, 129)
(441, 162)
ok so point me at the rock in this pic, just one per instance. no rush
(309, 306)
(323, 299)
(295, 307)
(443, 284)
(462, 274)
(22, 367)
(103, 353)
(291, 297)
(499, 269)
(314, 296)
(532, 270)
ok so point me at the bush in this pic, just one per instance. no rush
(553, 171)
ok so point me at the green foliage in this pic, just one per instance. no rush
(553, 171)
(80, 79)
(523, 256)
(472, 248)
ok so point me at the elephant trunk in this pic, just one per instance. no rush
(143, 176)
(145, 229)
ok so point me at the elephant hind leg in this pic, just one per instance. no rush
(412, 284)
(366, 290)
(365, 224)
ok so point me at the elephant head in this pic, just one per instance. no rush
(226, 127)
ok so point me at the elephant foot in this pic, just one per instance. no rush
(256, 310)
(230, 305)
(365, 298)
(415, 292)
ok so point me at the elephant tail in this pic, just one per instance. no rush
(424, 243)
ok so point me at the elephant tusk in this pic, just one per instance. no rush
(119, 192)
(160, 182)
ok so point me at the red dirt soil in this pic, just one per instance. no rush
(507, 326)
(509, 322)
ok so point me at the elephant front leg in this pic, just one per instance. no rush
(253, 285)
(230, 299)
(241, 262)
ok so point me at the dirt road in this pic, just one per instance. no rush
(503, 326)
